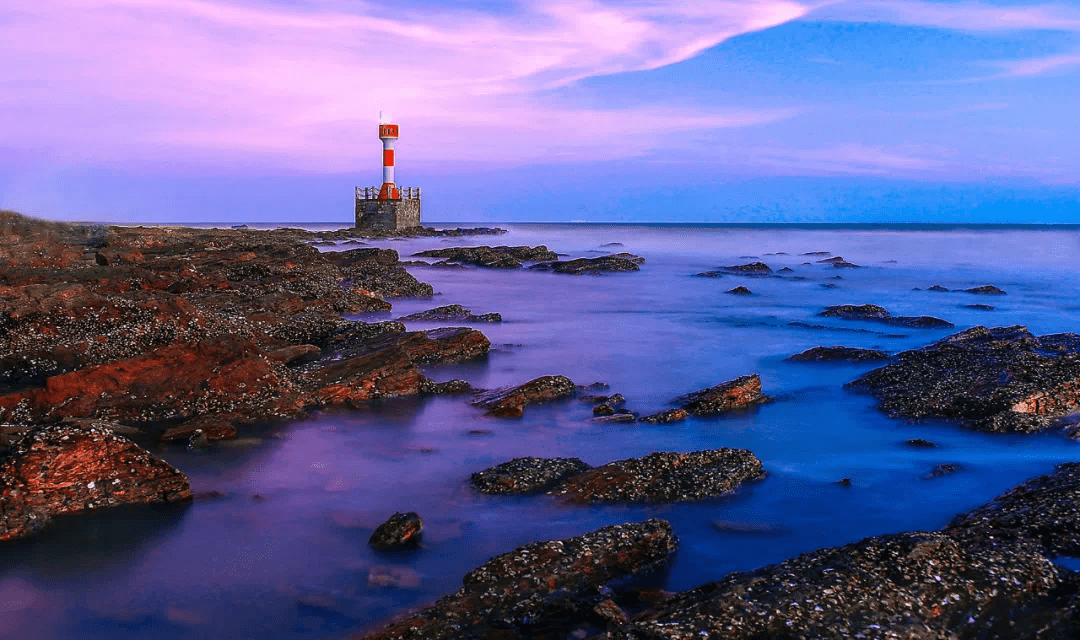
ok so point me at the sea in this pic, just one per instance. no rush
(283, 553)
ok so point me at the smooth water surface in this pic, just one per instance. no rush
(284, 554)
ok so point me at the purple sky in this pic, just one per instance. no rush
(155, 110)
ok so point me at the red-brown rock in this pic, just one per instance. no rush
(509, 402)
(739, 393)
(64, 469)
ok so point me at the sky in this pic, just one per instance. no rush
(549, 110)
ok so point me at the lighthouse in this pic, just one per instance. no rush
(387, 207)
(388, 133)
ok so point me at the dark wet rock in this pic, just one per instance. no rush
(740, 393)
(664, 417)
(602, 264)
(829, 285)
(729, 526)
(526, 475)
(50, 471)
(603, 409)
(844, 482)
(836, 277)
(919, 443)
(401, 531)
(450, 313)
(833, 260)
(664, 477)
(612, 244)
(501, 257)
(980, 307)
(817, 253)
(1003, 379)
(988, 289)
(785, 270)
(739, 291)
(627, 256)
(750, 269)
(943, 470)
(710, 274)
(509, 402)
(910, 585)
(1043, 510)
(937, 287)
(829, 354)
(847, 265)
(619, 417)
(876, 313)
(542, 589)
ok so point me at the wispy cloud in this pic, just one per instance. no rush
(966, 16)
(210, 81)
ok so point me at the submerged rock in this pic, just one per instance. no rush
(880, 314)
(734, 394)
(664, 417)
(602, 264)
(943, 470)
(526, 475)
(987, 289)
(501, 257)
(827, 354)
(51, 471)
(664, 477)
(509, 402)
(1003, 379)
(542, 589)
(751, 269)
(451, 312)
(401, 531)
(739, 291)
(937, 287)
(980, 307)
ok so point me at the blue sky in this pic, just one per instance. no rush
(847, 111)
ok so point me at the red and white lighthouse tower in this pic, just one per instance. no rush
(388, 133)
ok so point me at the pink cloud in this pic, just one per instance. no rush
(201, 82)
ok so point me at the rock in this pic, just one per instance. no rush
(936, 287)
(627, 256)
(56, 470)
(663, 477)
(817, 253)
(920, 443)
(612, 244)
(1043, 510)
(980, 307)
(734, 394)
(847, 265)
(728, 526)
(451, 312)
(910, 585)
(844, 482)
(539, 588)
(740, 291)
(943, 470)
(1002, 380)
(664, 417)
(501, 257)
(988, 289)
(750, 269)
(833, 260)
(880, 314)
(509, 402)
(851, 354)
(602, 264)
(615, 417)
(829, 285)
(785, 270)
(401, 531)
(710, 274)
(526, 475)
(603, 409)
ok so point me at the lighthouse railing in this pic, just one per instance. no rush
(372, 193)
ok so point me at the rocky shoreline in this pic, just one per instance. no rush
(113, 339)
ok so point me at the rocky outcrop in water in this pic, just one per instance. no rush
(401, 531)
(750, 269)
(839, 353)
(740, 393)
(739, 291)
(451, 313)
(663, 477)
(542, 589)
(1003, 379)
(177, 330)
(602, 264)
(880, 314)
(987, 290)
(665, 417)
(501, 257)
(51, 471)
(509, 402)
(526, 475)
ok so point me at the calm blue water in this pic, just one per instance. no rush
(294, 562)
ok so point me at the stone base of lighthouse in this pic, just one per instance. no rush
(387, 215)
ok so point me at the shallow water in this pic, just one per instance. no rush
(284, 554)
